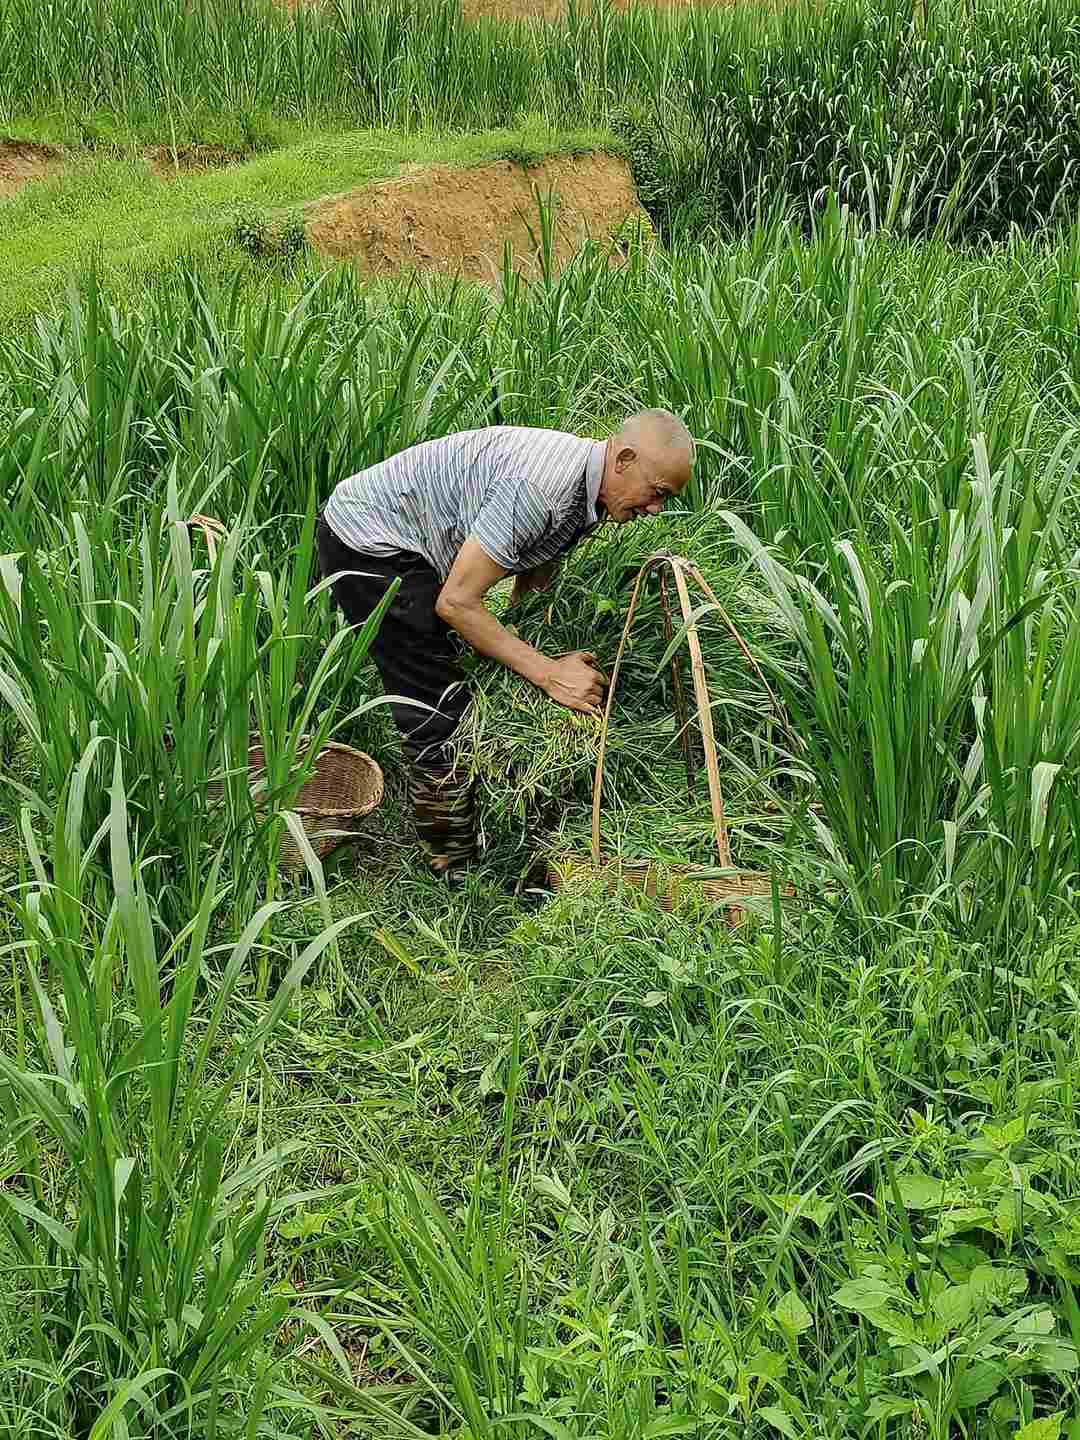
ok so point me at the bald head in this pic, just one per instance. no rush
(649, 459)
(658, 431)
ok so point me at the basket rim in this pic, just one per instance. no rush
(582, 857)
(320, 812)
(681, 869)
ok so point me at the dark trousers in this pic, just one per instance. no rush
(418, 659)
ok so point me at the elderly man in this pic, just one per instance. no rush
(451, 518)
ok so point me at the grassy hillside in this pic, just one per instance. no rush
(927, 116)
(117, 214)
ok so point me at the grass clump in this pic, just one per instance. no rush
(269, 237)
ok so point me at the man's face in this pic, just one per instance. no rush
(638, 483)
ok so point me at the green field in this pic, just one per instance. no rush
(344, 1154)
(113, 215)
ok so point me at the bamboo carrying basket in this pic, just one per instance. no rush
(344, 787)
(665, 882)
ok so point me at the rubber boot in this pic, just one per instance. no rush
(445, 818)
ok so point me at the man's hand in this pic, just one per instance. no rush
(574, 681)
(571, 680)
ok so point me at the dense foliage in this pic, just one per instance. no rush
(956, 115)
(596, 1170)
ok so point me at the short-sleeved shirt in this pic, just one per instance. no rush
(525, 495)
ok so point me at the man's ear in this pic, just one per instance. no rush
(625, 456)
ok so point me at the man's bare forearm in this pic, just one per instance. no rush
(479, 628)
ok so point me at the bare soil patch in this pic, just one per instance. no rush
(167, 163)
(458, 221)
(22, 161)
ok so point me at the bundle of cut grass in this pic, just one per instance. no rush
(675, 826)
(531, 756)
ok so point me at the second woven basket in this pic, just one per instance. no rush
(344, 787)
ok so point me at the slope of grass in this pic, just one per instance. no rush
(942, 115)
(114, 213)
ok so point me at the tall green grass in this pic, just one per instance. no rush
(939, 720)
(948, 117)
(915, 484)
(139, 1257)
(736, 1143)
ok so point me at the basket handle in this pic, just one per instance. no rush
(748, 655)
(716, 801)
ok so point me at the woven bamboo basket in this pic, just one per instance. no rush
(344, 787)
(723, 884)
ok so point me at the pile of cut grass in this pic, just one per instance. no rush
(535, 760)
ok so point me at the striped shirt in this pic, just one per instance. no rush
(524, 495)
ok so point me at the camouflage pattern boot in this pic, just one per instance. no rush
(442, 805)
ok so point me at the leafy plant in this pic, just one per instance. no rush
(266, 237)
(144, 1245)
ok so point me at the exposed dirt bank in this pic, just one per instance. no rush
(22, 161)
(458, 221)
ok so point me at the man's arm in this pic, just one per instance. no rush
(571, 679)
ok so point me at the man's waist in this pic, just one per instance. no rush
(382, 558)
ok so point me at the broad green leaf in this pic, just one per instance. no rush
(898, 1327)
(793, 1314)
(766, 1365)
(779, 1420)
(967, 1217)
(998, 1282)
(953, 1306)
(1002, 1137)
(978, 1384)
(921, 1192)
(864, 1295)
(1048, 1428)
